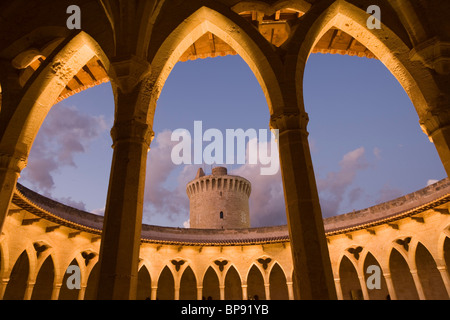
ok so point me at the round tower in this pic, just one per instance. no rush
(218, 201)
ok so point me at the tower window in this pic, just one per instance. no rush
(221, 215)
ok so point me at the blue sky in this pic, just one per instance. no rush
(366, 143)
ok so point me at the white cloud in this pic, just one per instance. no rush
(332, 189)
(431, 181)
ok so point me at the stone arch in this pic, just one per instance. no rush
(350, 284)
(41, 258)
(430, 278)
(278, 285)
(375, 294)
(211, 283)
(255, 284)
(188, 285)
(166, 285)
(144, 284)
(41, 93)
(443, 249)
(233, 284)
(65, 293)
(244, 39)
(18, 279)
(403, 282)
(45, 279)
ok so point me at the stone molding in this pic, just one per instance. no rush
(132, 131)
(290, 120)
(13, 162)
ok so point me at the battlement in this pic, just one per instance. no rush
(219, 180)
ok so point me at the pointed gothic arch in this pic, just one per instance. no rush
(402, 279)
(351, 287)
(45, 279)
(18, 279)
(278, 285)
(233, 284)
(232, 29)
(255, 284)
(166, 285)
(188, 285)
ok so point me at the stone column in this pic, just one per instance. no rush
(290, 288)
(3, 285)
(267, 290)
(418, 284)
(337, 283)
(222, 292)
(176, 292)
(307, 235)
(199, 292)
(55, 291)
(119, 250)
(29, 290)
(390, 286)
(364, 289)
(445, 278)
(154, 292)
(244, 291)
(82, 292)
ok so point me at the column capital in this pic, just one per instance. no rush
(434, 119)
(129, 71)
(434, 54)
(16, 161)
(291, 119)
(132, 131)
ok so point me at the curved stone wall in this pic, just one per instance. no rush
(407, 238)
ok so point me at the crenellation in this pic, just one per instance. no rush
(223, 206)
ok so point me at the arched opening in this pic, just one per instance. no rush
(188, 285)
(381, 146)
(381, 140)
(404, 286)
(211, 290)
(430, 278)
(278, 286)
(233, 285)
(43, 287)
(218, 111)
(18, 280)
(351, 288)
(382, 292)
(224, 87)
(166, 285)
(65, 293)
(91, 287)
(255, 284)
(78, 65)
(144, 286)
(74, 144)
